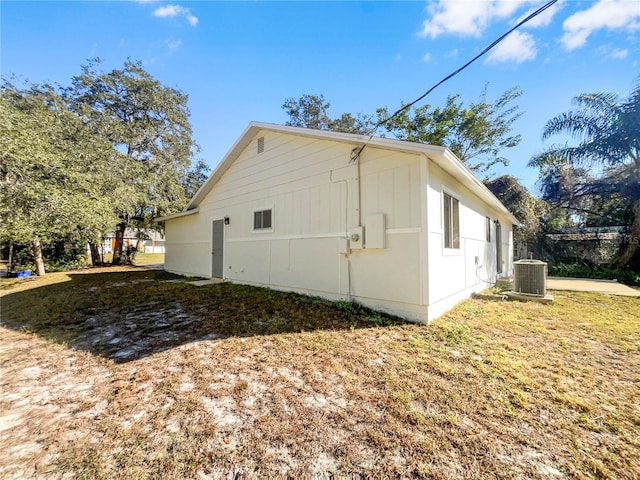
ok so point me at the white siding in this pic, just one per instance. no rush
(454, 274)
(187, 247)
(316, 197)
(293, 176)
(391, 186)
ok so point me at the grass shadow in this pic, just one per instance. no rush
(125, 316)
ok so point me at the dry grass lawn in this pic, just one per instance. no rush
(130, 373)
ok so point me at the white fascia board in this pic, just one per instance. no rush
(176, 215)
(353, 138)
(468, 179)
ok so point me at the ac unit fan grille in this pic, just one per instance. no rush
(530, 276)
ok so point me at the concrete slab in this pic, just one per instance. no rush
(526, 297)
(209, 281)
(611, 287)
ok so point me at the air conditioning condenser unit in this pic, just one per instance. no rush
(530, 276)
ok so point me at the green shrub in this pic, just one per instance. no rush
(60, 255)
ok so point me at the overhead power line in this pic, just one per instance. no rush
(488, 48)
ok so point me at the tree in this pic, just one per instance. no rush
(310, 111)
(475, 134)
(569, 192)
(52, 172)
(607, 130)
(347, 123)
(524, 206)
(196, 176)
(148, 123)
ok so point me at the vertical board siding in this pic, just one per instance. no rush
(392, 273)
(391, 185)
(311, 185)
(187, 251)
(454, 274)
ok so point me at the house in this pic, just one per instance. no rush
(146, 240)
(398, 226)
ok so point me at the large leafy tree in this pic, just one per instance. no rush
(606, 128)
(54, 180)
(311, 111)
(524, 206)
(195, 178)
(148, 123)
(569, 192)
(476, 134)
(308, 111)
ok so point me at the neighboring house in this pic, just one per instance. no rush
(151, 241)
(404, 227)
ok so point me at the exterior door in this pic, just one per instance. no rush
(217, 248)
(498, 247)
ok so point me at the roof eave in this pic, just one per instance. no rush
(176, 215)
(481, 189)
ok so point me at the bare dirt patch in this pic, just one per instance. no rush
(223, 380)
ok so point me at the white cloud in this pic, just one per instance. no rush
(518, 47)
(173, 45)
(426, 58)
(619, 53)
(176, 11)
(467, 18)
(615, 53)
(609, 14)
(192, 19)
(169, 11)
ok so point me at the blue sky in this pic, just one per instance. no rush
(238, 61)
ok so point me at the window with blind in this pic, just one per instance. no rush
(451, 214)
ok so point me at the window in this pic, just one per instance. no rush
(260, 144)
(451, 221)
(488, 228)
(262, 220)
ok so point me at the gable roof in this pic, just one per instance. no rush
(442, 156)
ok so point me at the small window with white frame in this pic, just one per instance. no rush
(451, 217)
(263, 219)
(488, 228)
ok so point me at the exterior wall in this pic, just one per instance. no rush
(312, 187)
(455, 274)
(390, 278)
(187, 247)
(306, 184)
